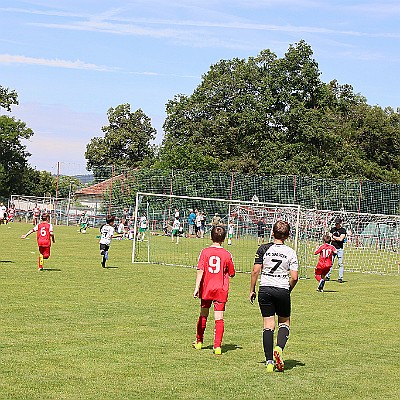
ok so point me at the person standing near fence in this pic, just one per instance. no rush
(338, 235)
(277, 263)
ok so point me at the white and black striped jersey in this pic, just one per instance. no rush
(276, 260)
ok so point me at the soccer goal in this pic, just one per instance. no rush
(238, 217)
(372, 242)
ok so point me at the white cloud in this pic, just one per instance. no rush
(17, 59)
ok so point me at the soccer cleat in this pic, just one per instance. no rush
(320, 290)
(197, 345)
(327, 278)
(40, 269)
(340, 280)
(217, 351)
(278, 358)
(270, 366)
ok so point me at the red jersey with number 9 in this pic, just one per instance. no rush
(217, 264)
(44, 229)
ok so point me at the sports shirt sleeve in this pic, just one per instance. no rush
(201, 261)
(231, 266)
(318, 250)
(259, 258)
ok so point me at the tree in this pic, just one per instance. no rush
(126, 141)
(271, 115)
(13, 154)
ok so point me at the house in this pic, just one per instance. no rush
(92, 197)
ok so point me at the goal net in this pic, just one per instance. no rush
(241, 218)
(372, 242)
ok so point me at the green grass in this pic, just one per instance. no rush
(77, 331)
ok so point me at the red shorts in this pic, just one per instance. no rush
(45, 252)
(218, 306)
(322, 271)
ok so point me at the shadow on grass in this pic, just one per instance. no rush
(289, 364)
(110, 267)
(225, 347)
(51, 270)
(6, 261)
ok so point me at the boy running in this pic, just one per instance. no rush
(45, 236)
(275, 261)
(326, 252)
(107, 233)
(214, 268)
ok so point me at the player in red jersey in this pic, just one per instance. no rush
(214, 268)
(325, 252)
(45, 236)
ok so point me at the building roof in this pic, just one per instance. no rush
(99, 188)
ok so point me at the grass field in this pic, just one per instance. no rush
(78, 331)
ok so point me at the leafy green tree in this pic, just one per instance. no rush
(126, 142)
(13, 154)
(271, 115)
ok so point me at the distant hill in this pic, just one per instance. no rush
(85, 178)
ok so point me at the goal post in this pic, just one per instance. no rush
(159, 246)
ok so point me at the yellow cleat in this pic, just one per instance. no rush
(278, 359)
(197, 345)
(218, 351)
(270, 366)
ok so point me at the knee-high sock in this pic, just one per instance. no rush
(200, 328)
(283, 335)
(268, 343)
(218, 332)
(40, 261)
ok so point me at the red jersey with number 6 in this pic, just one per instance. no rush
(325, 252)
(217, 264)
(44, 231)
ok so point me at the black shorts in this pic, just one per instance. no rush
(103, 248)
(273, 300)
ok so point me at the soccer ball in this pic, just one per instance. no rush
(83, 231)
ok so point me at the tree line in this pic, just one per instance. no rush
(262, 115)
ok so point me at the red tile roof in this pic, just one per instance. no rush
(99, 188)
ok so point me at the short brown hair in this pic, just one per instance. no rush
(218, 234)
(281, 230)
(326, 238)
(45, 216)
(110, 218)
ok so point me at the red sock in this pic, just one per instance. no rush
(218, 332)
(201, 327)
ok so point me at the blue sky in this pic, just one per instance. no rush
(71, 60)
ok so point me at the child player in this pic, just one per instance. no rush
(107, 233)
(214, 268)
(277, 263)
(325, 252)
(175, 230)
(231, 231)
(45, 236)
